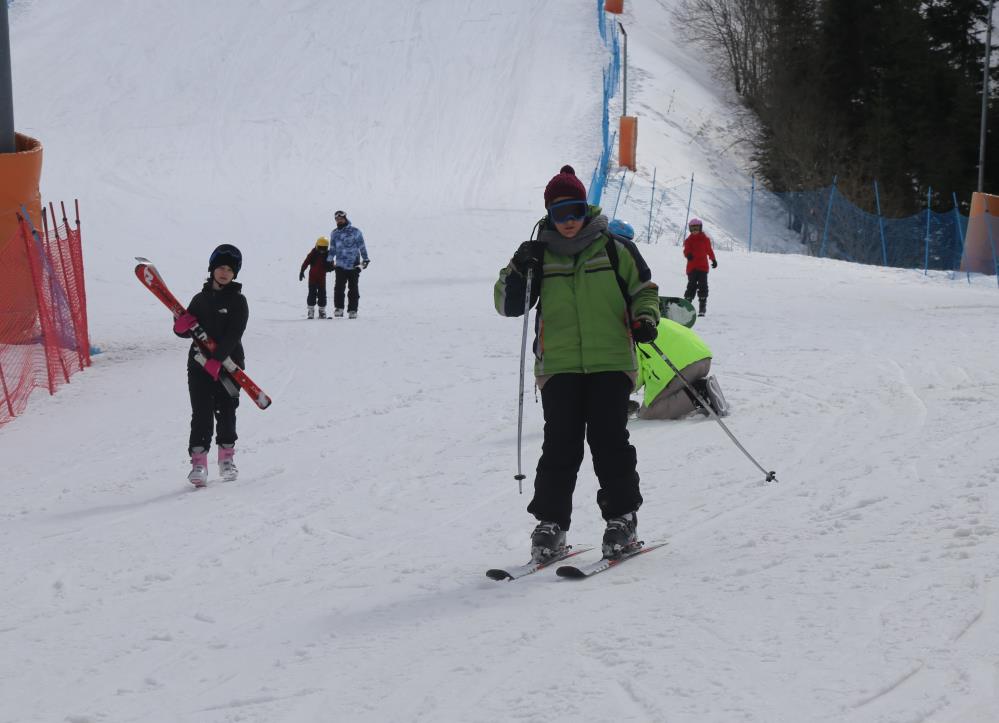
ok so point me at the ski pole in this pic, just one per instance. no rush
(520, 397)
(771, 476)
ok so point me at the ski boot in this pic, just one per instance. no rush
(351, 314)
(338, 313)
(227, 467)
(312, 313)
(702, 306)
(322, 312)
(548, 539)
(715, 397)
(621, 535)
(198, 476)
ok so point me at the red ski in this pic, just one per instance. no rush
(151, 279)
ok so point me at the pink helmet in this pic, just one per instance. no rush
(695, 222)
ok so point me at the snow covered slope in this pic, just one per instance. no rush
(341, 578)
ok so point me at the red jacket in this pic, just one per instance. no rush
(698, 245)
(316, 263)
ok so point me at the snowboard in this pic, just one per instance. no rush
(677, 309)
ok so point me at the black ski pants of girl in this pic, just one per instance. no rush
(594, 408)
(211, 407)
(697, 283)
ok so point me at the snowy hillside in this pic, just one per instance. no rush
(341, 578)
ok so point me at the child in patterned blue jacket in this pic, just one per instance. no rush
(347, 257)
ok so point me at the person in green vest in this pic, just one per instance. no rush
(666, 396)
(595, 298)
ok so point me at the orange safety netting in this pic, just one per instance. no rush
(43, 311)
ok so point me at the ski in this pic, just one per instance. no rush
(150, 277)
(514, 573)
(605, 563)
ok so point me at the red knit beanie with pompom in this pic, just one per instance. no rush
(565, 184)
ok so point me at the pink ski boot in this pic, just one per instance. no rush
(198, 475)
(227, 466)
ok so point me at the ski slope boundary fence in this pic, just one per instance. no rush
(44, 338)
(611, 76)
(819, 222)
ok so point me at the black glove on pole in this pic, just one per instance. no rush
(644, 331)
(771, 476)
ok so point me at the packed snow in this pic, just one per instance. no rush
(341, 578)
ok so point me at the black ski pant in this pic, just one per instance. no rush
(346, 278)
(593, 407)
(317, 292)
(211, 405)
(697, 284)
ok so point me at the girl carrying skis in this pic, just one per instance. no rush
(221, 310)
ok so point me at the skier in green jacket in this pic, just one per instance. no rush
(666, 396)
(595, 298)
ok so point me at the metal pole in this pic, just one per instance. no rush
(926, 257)
(960, 235)
(752, 196)
(7, 140)
(652, 201)
(690, 197)
(520, 395)
(770, 476)
(985, 100)
(825, 230)
(624, 86)
(881, 225)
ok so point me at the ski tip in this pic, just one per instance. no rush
(498, 575)
(571, 572)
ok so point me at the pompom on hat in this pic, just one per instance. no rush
(565, 185)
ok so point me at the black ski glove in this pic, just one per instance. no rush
(529, 255)
(364, 264)
(643, 331)
(714, 263)
(301, 275)
(690, 257)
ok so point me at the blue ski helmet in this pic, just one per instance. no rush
(621, 229)
(226, 255)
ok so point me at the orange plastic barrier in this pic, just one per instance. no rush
(20, 173)
(981, 246)
(628, 135)
(614, 6)
(56, 342)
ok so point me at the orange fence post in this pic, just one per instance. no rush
(628, 135)
(20, 173)
(614, 6)
(979, 254)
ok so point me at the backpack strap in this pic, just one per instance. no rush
(611, 250)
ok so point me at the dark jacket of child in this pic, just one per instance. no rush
(315, 262)
(223, 315)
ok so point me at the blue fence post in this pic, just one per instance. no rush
(825, 229)
(651, 201)
(686, 218)
(926, 257)
(960, 235)
(881, 225)
(619, 189)
(752, 197)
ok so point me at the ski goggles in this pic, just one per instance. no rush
(339, 214)
(564, 211)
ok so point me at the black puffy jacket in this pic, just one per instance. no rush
(223, 315)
